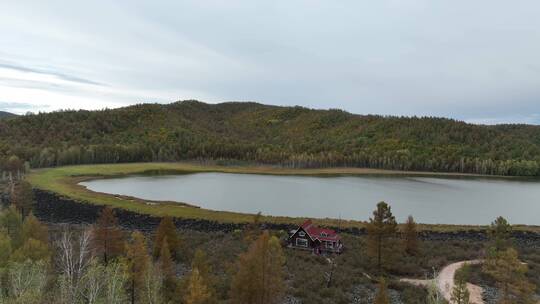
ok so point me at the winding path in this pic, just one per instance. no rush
(445, 282)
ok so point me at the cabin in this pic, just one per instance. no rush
(319, 240)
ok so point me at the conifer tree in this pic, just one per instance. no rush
(410, 236)
(510, 275)
(166, 231)
(22, 197)
(382, 293)
(500, 232)
(33, 229)
(107, 238)
(138, 264)
(260, 276)
(382, 228)
(11, 222)
(198, 292)
(168, 270)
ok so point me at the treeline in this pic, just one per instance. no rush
(285, 136)
(102, 263)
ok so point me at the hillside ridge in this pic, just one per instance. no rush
(257, 133)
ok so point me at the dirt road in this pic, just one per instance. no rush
(445, 282)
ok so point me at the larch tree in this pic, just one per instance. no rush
(138, 264)
(381, 229)
(168, 270)
(108, 238)
(33, 229)
(22, 197)
(253, 229)
(382, 293)
(198, 291)
(510, 275)
(166, 231)
(260, 275)
(410, 236)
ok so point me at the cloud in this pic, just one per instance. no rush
(49, 72)
(381, 57)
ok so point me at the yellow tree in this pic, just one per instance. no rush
(198, 292)
(107, 237)
(382, 293)
(138, 265)
(166, 231)
(168, 271)
(260, 276)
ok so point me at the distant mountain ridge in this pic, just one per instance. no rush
(4, 114)
(256, 133)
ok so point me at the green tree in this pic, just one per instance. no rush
(410, 236)
(260, 276)
(381, 229)
(500, 232)
(11, 222)
(460, 292)
(33, 229)
(5, 249)
(27, 281)
(510, 275)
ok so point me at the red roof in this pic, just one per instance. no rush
(321, 234)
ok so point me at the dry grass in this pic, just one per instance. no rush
(65, 181)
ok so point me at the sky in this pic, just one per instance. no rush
(477, 61)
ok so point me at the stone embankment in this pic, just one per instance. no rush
(56, 209)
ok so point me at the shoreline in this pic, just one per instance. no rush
(64, 181)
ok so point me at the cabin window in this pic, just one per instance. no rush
(301, 233)
(324, 234)
(301, 242)
(329, 244)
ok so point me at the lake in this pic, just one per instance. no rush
(429, 199)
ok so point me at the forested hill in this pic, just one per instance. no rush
(6, 114)
(288, 136)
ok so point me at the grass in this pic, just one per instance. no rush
(65, 182)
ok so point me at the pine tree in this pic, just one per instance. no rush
(260, 276)
(510, 275)
(166, 231)
(108, 238)
(198, 292)
(382, 228)
(410, 236)
(500, 232)
(138, 264)
(382, 293)
(168, 270)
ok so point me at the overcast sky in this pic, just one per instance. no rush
(477, 61)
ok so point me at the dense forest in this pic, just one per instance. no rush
(255, 133)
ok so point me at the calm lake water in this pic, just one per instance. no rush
(429, 200)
